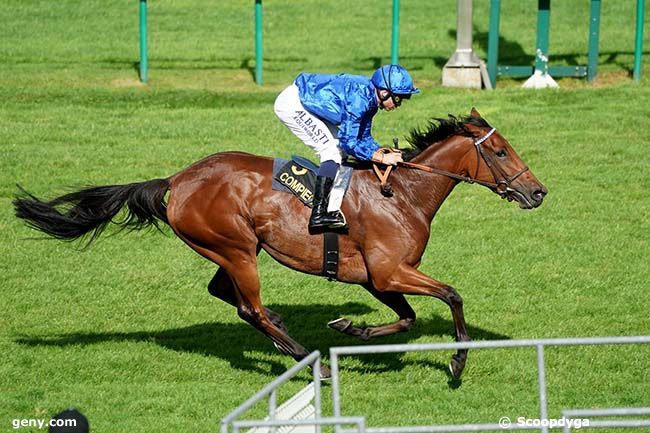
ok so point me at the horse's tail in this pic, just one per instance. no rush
(89, 210)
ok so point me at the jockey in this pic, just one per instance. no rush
(332, 114)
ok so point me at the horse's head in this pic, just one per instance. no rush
(500, 168)
(469, 149)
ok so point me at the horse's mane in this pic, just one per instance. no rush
(438, 129)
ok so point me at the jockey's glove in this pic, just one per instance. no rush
(387, 156)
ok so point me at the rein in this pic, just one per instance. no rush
(447, 173)
(504, 182)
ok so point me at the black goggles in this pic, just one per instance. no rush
(397, 99)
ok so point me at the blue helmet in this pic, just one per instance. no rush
(395, 79)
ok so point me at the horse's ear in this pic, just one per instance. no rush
(475, 113)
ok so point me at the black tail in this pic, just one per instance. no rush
(90, 210)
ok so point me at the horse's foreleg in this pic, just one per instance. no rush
(221, 287)
(394, 301)
(408, 280)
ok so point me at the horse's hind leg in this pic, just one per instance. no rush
(222, 287)
(249, 307)
(237, 283)
(395, 301)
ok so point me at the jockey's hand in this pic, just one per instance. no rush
(387, 156)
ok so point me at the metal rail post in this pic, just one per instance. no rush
(638, 45)
(493, 41)
(317, 398)
(594, 30)
(541, 77)
(259, 58)
(543, 25)
(336, 385)
(394, 42)
(144, 67)
(541, 378)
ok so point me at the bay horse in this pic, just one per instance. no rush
(224, 208)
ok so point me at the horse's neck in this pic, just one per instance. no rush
(449, 154)
(431, 190)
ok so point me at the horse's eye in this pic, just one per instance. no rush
(501, 153)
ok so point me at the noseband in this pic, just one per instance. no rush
(503, 182)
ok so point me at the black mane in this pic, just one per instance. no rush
(438, 129)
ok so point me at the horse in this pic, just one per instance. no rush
(224, 208)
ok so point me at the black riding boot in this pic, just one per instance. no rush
(319, 216)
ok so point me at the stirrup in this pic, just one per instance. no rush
(337, 219)
(319, 221)
(318, 225)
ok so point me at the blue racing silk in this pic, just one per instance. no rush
(347, 101)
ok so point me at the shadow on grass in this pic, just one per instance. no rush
(241, 345)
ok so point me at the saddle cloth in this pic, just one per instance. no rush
(298, 177)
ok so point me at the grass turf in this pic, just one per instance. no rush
(126, 331)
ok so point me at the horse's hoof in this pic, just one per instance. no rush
(213, 291)
(325, 373)
(280, 349)
(340, 324)
(456, 367)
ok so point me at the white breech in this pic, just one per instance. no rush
(320, 135)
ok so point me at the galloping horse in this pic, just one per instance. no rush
(225, 209)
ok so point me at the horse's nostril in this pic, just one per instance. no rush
(539, 195)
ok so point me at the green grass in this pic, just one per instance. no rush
(126, 330)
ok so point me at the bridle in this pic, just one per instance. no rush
(502, 184)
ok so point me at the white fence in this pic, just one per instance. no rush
(296, 423)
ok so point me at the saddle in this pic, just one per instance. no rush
(298, 177)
